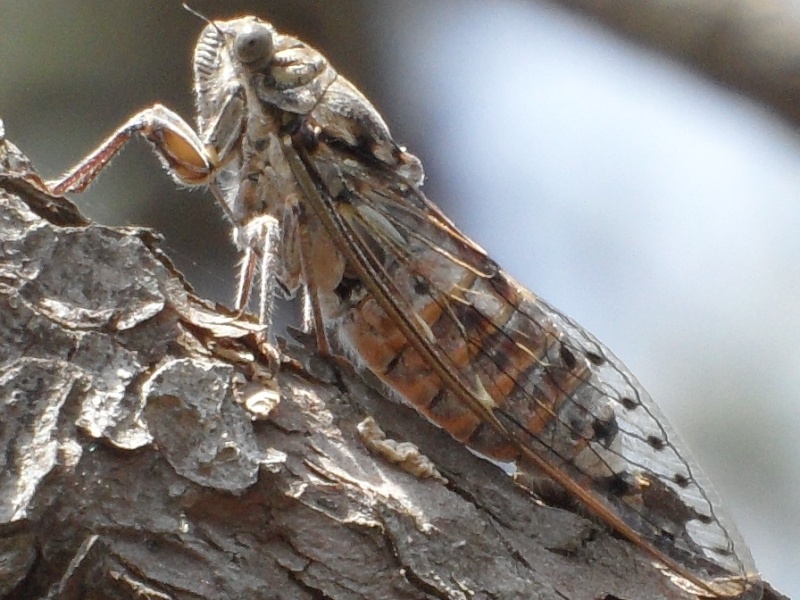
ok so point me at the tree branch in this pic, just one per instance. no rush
(750, 46)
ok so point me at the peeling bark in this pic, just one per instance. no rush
(144, 457)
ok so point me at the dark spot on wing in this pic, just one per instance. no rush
(605, 430)
(502, 360)
(471, 319)
(438, 400)
(421, 287)
(568, 357)
(628, 403)
(393, 363)
(595, 359)
(704, 519)
(511, 294)
(681, 480)
(361, 151)
(616, 485)
(369, 141)
(656, 442)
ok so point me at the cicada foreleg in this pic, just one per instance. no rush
(190, 161)
(176, 144)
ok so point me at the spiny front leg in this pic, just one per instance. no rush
(176, 144)
(191, 162)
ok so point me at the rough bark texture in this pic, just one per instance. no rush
(750, 46)
(143, 457)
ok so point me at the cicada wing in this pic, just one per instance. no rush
(502, 371)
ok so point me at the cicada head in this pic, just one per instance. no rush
(247, 58)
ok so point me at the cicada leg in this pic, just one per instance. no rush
(175, 143)
(189, 162)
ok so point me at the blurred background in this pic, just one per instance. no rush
(638, 166)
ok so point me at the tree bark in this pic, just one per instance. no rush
(146, 456)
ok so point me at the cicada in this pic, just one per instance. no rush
(322, 200)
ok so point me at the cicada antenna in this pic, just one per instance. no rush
(200, 16)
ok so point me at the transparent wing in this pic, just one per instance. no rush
(509, 375)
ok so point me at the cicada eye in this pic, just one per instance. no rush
(253, 44)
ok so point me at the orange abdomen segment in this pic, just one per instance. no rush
(482, 329)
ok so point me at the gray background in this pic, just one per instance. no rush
(658, 210)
